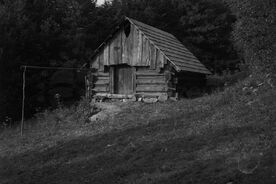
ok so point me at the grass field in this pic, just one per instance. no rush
(225, 138)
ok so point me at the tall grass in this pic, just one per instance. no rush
(49, 127)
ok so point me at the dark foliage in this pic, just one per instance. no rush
(65, 33)
(254, 33)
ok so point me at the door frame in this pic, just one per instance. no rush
(112, 78)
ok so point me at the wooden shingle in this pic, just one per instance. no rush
(172, 48)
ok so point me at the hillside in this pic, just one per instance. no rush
(221, 138)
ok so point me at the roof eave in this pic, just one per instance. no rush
(201, 72)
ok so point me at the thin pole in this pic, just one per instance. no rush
(86, 87)
(56, 68)
(23, 101)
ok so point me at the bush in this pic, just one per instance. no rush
(254, 33)
(226, 79)
(84, 110)
(76, 114)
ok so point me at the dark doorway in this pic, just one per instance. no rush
(123, 79)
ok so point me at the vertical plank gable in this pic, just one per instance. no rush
(134, 49)
(127, 47)
(106, 55)
(160, 60)
(116, 49)
(145, 61)
(101, 61)
(95, 62)
(111, 52)
(140, 49)
(111, 80)
(124, 49)
(152, 57)
(135, 42)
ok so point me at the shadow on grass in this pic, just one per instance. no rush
(123, 156)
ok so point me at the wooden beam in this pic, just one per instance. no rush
(101, 89)
(114, 96)
(134, 79)
(151, 88)
(148, 74)
(23, 101)
(111, 79)
(151, 81)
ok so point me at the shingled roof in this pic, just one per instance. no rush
(173, 49)
(181, 58)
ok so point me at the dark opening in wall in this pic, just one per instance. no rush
(127, 30)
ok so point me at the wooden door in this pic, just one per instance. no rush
(123, 79)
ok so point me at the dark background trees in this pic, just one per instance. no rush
(65, 33)
(254, 33)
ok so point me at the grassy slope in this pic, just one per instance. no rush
(213, 139)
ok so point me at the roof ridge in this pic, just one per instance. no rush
(147, 25)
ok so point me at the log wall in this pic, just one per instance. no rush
(102, 83)
(150, 81)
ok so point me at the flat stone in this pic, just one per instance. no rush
(150, 100)
(173, 99)
(98, 117)
(163, 98)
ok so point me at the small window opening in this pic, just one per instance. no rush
(127, 30)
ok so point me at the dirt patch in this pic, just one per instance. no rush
(106, 110)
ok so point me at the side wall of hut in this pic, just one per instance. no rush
(190, 84)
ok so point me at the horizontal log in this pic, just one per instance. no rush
(147, 70)
(101, 89)
(103, 74)
(151, 88)
(149, 74)
(114, 96)
(143, 69)
(151, 81)
(149, 95)
(102, 78)
(101, 86)
(159, 77)
(171, 89)
(102, 82)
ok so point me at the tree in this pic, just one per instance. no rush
(42, 33)
(254, 33)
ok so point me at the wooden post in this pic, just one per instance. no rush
(134, 79)
(86, 87)
(23, 101)
(111, 79)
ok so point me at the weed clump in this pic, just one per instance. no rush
(77, 114)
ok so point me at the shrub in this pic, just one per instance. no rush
(76, 114)
(84, 110)
(216, 81)
(254, 33)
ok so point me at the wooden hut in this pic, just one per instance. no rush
(138, 59)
